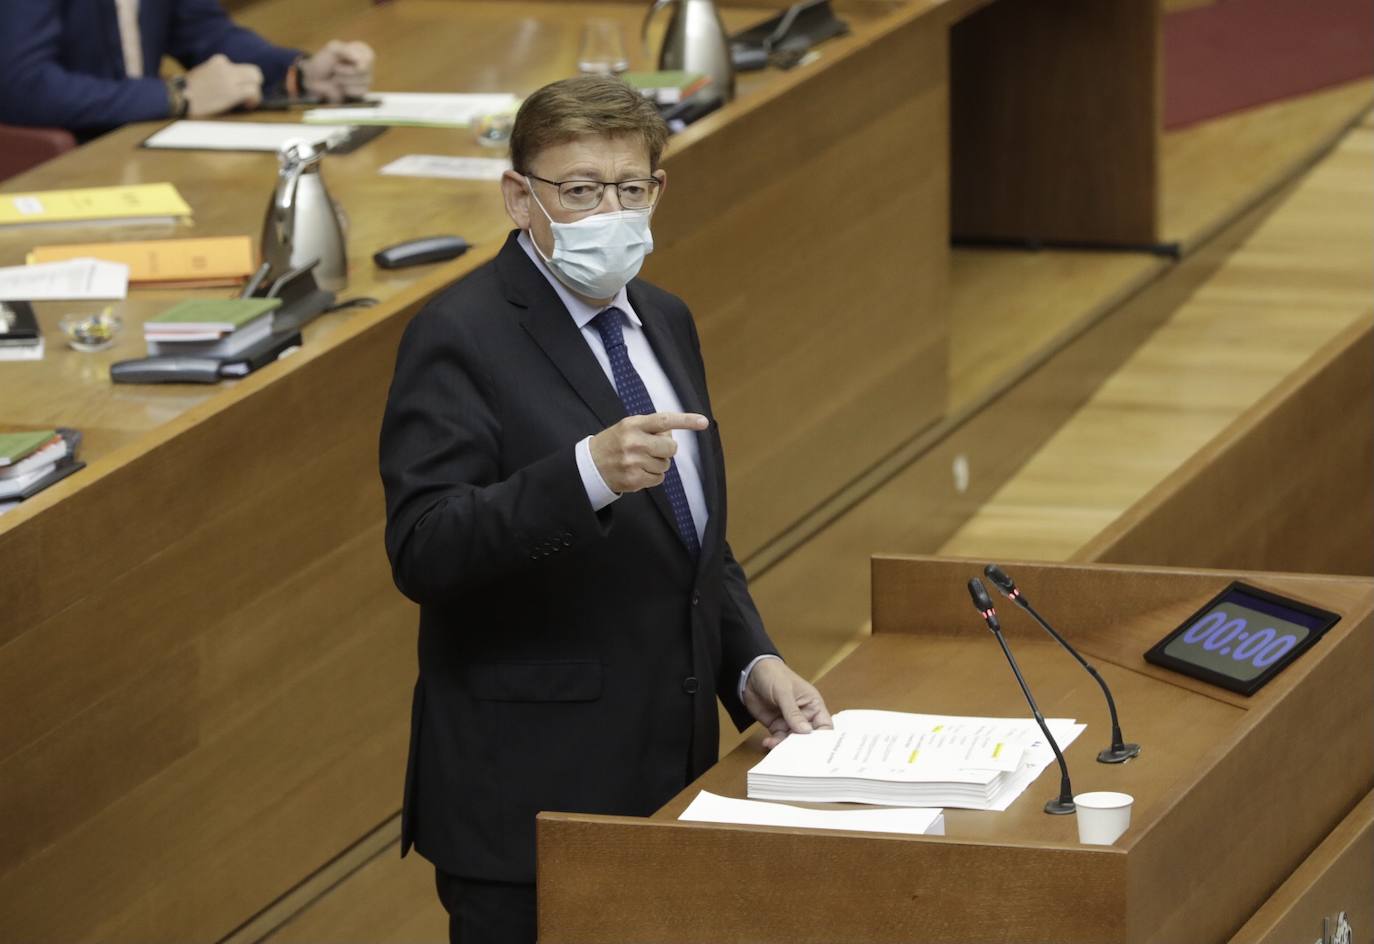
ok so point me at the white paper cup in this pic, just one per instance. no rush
(1102, 816)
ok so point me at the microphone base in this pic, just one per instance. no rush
(1118, 755)
(1059, 807)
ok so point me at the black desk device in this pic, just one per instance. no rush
(421, 251)
(180, 368)
(781, 39)
(302, 299)
(1242, 638)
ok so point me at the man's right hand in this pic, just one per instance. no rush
(218, 85)
(635, 453)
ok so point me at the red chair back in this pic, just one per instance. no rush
(22, 148)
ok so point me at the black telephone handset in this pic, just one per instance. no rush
(421, 251)
(781, 40)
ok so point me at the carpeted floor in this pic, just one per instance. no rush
(1236, 54)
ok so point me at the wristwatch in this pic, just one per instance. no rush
(177, 104)
(295, 78)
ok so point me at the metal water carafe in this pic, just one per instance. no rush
(696, 42)
(302, 221)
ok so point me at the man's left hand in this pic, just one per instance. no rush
(339, 71)
(783, 702)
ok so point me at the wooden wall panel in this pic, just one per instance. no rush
(1055, 130)
(809, 241)
(614, 880)
(1337, 877)
(1286, 780)
(1285, 487)
(219, 716)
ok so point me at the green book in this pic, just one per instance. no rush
(211, 314)
(15, 446)
(667, 87)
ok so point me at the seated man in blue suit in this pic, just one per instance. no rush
(92, 65)
(555, 496)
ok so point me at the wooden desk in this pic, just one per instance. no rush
(1231, 793)
(770, 251)
(203, 656)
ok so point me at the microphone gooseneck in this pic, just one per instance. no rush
(983, 603)
(1119, 751)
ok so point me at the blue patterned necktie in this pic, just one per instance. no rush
(635, 396)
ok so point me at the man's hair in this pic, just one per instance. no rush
(584, 105)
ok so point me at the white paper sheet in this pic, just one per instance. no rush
(710, 808)
(70, 280)
(452, 168)
(862, 761)
(1038, 756)
(428, 109)
(23, 352)
(242, 135)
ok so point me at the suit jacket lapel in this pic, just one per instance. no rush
(669, 355)
(548, 323)
(553, 329)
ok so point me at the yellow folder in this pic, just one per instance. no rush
(136, 202)
(222, 260)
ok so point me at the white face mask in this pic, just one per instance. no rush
(597, 255)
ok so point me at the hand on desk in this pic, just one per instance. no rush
(218, 85)
(339, 71)
(783, 702)
(634, 453)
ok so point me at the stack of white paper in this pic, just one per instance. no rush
(710, 808)
(243, 135)
(895, 759)
(425, 109)
(452, 168)
(72, 280)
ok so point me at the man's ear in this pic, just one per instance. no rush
(517, 196)
(662, 176)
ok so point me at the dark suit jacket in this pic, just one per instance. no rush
(62, 63)
(569, 659)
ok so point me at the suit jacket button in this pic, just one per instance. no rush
(696, 598)
(689, 685)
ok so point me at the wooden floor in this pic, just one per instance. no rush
(1212, 169)
(1295, 282)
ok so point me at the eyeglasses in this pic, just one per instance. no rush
(637, 194)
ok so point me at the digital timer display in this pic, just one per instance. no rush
(1242, 638)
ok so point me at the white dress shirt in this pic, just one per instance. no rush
(130, 37)
(660, 391)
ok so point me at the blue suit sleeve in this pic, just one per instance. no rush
(201, 28)
(36, 89)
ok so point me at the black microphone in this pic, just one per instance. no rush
(1119, 752)
(983, 603)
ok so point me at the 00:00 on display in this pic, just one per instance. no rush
(1261, 649)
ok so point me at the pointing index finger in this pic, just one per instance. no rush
(665, 422)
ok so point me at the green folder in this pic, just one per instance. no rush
(215, 314)
(15, 446)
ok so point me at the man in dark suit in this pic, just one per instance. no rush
(556, 505)
(92, 65)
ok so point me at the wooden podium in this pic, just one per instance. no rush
(1231, 793)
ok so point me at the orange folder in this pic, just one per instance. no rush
(183, 263)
